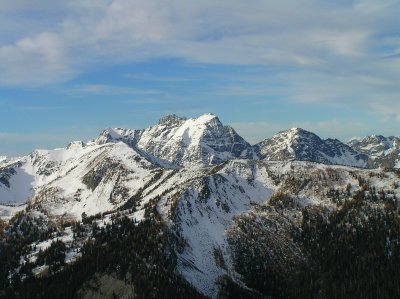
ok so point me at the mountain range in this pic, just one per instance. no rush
(199, 180)
(179, 142)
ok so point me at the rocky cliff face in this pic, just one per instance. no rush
(180, 141)
(382, 151)
(299, 144)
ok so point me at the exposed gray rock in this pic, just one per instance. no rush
(299, 144)
(202, 141)
(382, 151)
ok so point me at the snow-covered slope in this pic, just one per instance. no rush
(76, 179)
(127, 136)
(3, 159)
(299, 144)
(382, 151)
(202, 210)
(195, 141)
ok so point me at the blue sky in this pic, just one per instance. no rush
(70, 69)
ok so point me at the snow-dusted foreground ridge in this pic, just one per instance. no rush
(201, 178)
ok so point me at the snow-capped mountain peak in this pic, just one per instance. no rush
(76, 145)
(171, 120)
(296, 130)
(185, 142)
(115, 135)
(203, 140)
(382, 151)
(299, 144)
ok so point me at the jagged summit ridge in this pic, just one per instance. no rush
(203, 140)
(206, 141)
(382, 151)
(299, 144)
(171, 120)
(176, 142)
(115, 135)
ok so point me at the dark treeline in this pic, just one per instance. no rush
(15, 241)
(351, 252)
(137, 253)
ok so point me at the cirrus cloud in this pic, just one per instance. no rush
(323, 51)
(305, 34)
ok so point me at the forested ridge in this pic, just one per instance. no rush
(137, 253)
(350, 252)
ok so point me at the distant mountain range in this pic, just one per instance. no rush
(206, 141)
(202, 185)
(196, 142)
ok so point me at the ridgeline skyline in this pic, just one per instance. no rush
(71, 69)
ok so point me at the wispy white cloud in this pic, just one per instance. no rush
(255, 132)
(374, 6)
(324, 52)
(302, 34)
(389, 109)
(111, 90)
(15, 143)
(150, 77)
(35, 61)
(37, 137)
(141, 101)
